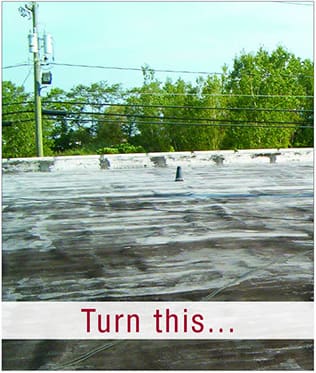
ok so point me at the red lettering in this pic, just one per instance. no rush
(129, 323)
(170, 316)
(117, 322)
(200, 326)
(88, 310)
(185, 321)
(107, 324)
(157, 315)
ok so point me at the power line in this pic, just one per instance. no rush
(163, 119)
(16, 103)
(142, 69)
(186, 124)
(180, 107)
(171, 117)
(18, 112)
(135, 69)
(215, 95)
(28, 74)
(159, 70)
(14, 66)
(128, 94)
(251, 109)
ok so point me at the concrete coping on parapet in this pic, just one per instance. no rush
(152, 160)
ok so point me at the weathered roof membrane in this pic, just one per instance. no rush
(235, 232)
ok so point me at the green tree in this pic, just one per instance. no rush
(174, 115)
(144, 113)
(304, 136)
(109, 129)
(265, 99)
(86, 119)
(18, 139)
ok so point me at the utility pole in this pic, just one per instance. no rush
(30, 11)
(37, 85)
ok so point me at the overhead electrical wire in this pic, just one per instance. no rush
(214, 95)
(158, 106)
(141, 69)
(142, 116)
(18, 112)
(178, 106)
(16, 103)
(162, 120)
(170, 94)
(159, 70)
(80, 116)
(27, 76)
(135, 69)
(186, 124)
(17, 65)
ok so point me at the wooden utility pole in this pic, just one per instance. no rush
(37, 85)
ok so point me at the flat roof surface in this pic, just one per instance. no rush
(226, 233)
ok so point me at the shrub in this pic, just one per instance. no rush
(121, 149)
(107, 151)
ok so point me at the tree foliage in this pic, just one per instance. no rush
(18, 130)
(262, 77)
(265, 101)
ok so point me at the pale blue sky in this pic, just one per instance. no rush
(197, 36)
